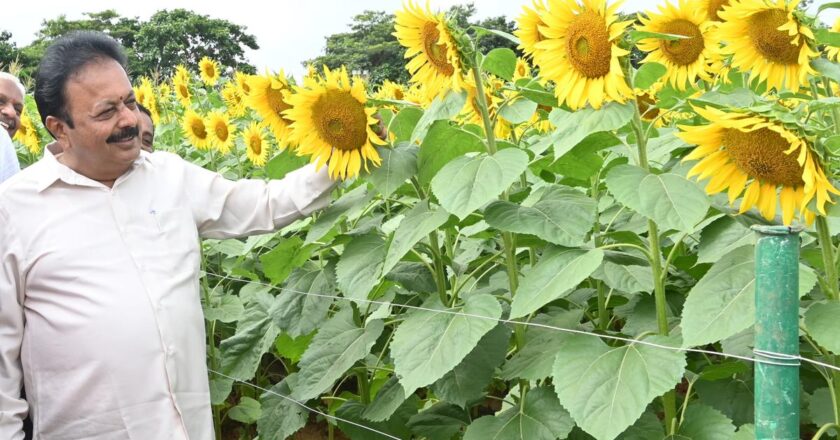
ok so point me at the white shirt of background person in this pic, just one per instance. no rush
(9, 164)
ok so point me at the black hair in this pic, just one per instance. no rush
(64, 58)
(146, 112)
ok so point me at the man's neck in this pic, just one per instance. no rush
(106, 179)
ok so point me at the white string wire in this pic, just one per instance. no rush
(773, 358)
(384, 434)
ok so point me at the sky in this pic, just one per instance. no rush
(288, 32)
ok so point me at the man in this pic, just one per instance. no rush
(99, 256)
(147, 129)
(11, 107)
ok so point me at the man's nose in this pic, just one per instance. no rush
(128, 117)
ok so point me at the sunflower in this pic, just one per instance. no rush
(255, 144)
(164, 91)
(220, 131)
(685, 59)
(712, 8)
(471, 113)
(27, 134)
(833, 52)
(209, 70)
(435, 60)
(756, 156)
(242, 79)
(528, 28)
(580, 52)
(390, 90)
(182, 91)
(522, 69)
(269, 98)
(332, 124)
(233, 100)
(765, 38)
(195, 128)
(145, 96)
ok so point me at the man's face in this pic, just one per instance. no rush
(11, 106)
(147, 133)
(101, 104)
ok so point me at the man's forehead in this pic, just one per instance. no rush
(9, 89)
(101, 80)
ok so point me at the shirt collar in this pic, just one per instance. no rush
(53, 170)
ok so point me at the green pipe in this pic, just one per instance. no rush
(777, 333)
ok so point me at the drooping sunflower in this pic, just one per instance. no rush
(528, 28)
(712, 8)
(209, 71)
(756, 156)
(580, 52)
(256, 146)
(269, 98)
(220, 131)
(233, 100)
(833, 52)
(182, 90)
(435, 59)
(195, 129)
(686, 59)
(766, 39)
(182, 74)
(332, 124)
(27, 133)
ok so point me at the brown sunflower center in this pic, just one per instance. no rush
(761, 155)
(588, 45)
(277, 104)
(715, 6)
(769, 41)
(255, 144)
(398, 94)
(435, 51)
(210, 70)
(684, 51)
(340, 120)
(221, 131)
(198, 128)
(183, 91)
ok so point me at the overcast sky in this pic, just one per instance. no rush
(288, 31)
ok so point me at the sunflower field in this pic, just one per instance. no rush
(548, 247)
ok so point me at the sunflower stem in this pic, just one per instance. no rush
(835, 112)
(827, 249)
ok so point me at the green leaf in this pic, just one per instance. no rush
(745, 432)
(468, 183)
(535, 360)
(500, 62)
(734, 398)
(283, 163)
(820, 406)
(360, 266)
(429, 344)
(539, 417)
(467, 381)
(721, 237)
(648, 427)
(398, 165)
(443, 107)
(822, 323)
(702, 422)
(440, 422)
(247, 411)
(623, 182)
(417, 224)
(720, 304)
(627, 278)
(241, 353)
(832, 144)
(510, 37)
(389, 398)
(228, 309)
(413, 276)
(220, 388)
(553, 277)
(337, 346)
(292, 348)
(281, 417)
(648, 74)
(444, 143)
(295, 311)
(827, 68)
(403, 124)
(518, 111)
(573, 127)
(659, 149)
(395, 426)
(672, 201)
(831, 5)
(825, 36)
(349, 205)
(606, 389)
(279, 262)
(562, 216)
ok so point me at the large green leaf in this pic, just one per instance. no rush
(553, 277)
(429, 344)
(539, 417)
(417, 224)
(228, 308)
(468, 380)
(627, 278)
(734, 398)
(822, 323)
(672, 201)
(648, 74)
(280, 416)
(443, 107)
(403, 124)
(295, 311)
(705, 423)
(279, 262)
(283, 163)
(606, 389)
(745, 432)
(648, 427)
(722, 237)
(440, 422)
(349, 205)
(337, 346)
(535, 360)
(500, 62)
(388, 399)
(468, 183)
(623, 182)
(572, 127)
(360, 266)
(246, 411)
(444, 143)
(518, 111)
(362, 429)
(398, 165)
(255, 333)
(562, 216)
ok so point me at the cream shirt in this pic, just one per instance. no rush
(100, 314)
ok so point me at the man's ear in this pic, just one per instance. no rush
(58, 128)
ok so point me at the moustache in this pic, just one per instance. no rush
(124, 135)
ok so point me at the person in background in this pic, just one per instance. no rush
(147, 129)
(11, 107)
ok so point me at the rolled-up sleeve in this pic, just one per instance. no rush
(12, 407)
(224, 208)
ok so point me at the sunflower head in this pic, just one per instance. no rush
(209, 71)
(767, 40)
(391, 90)
(522, 70)
(27, 133)
(528, 28)
(760, 158)
(833, 52)
(435, 58)
(195, 129)
(182, 74)
(712, 8)
(580, 52)
(268, 96)
(242, 85)
(220, 131)
(256, 146)
(332, 124)
(233, 100)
